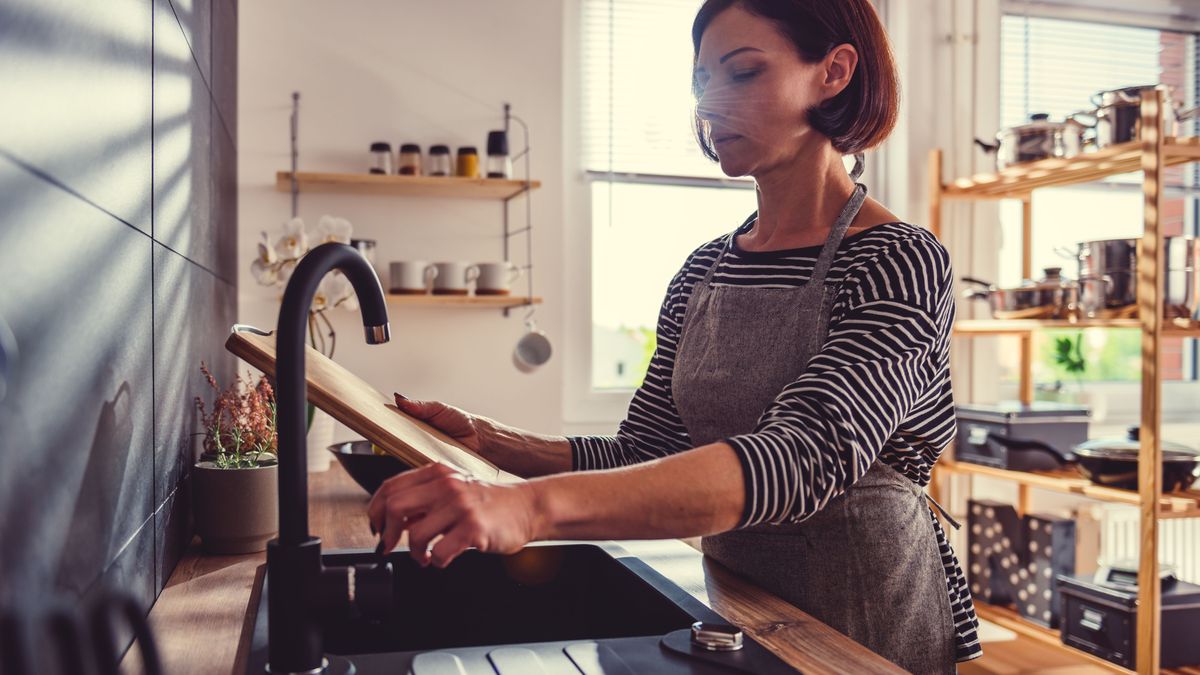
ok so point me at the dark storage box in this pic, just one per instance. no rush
(1102, 620)
(984, 431)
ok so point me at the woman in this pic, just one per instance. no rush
(800, 392)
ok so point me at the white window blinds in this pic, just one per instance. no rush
(1054, 66)
(637, 86)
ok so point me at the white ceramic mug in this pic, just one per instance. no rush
(494, 278)
(410, 277)
(451, 278)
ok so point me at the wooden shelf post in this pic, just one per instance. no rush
(1150, 312)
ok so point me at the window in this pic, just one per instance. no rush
(1054, 66)
(654, 195)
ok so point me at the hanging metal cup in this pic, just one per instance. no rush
(533, 350)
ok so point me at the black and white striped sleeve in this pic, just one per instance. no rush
(652, 427)
(884, 353)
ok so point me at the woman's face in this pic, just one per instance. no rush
(756, 90)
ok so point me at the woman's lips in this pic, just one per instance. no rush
(726, 139)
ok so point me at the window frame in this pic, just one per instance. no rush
(585, 409)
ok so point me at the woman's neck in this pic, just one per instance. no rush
(798, 202)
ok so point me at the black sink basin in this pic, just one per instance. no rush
(554, 593)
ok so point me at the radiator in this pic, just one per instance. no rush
(1178, 540)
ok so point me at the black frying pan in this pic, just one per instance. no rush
(1113, 462)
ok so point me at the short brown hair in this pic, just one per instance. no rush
(860, 117)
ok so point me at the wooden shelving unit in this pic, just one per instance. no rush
(1184, 504)
(484, 301)
(1151, 155)
(451, 187)
(1018, 182)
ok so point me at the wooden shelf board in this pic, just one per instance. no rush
(1171, 327)
(1184, 504)
(485, 301)
(411, 186)
(1010, 619)
(1019, 181)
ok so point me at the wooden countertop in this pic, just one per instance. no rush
(200, 620)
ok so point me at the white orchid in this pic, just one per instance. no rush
(294, 242)
(266, 252)
(330, 228)
(275, 263)
(284, 272)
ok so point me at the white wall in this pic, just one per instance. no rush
(426, 72)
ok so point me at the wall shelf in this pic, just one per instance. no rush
(445, 187)
(483, 301)
(453, 187)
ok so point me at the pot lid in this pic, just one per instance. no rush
(1128, 447)
(1037, 121)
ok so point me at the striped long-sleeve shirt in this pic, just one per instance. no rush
(878, 389)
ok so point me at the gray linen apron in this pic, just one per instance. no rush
(866, 564)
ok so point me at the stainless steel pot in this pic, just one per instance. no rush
(1039, 139)
(1108, 277)
(1053, 297)
(1118, 113)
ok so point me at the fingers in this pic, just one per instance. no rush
(437, 521)
(392, 531)
(465, 534)
(400, 484)
(422, 410)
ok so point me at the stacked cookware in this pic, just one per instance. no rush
(1114, 118)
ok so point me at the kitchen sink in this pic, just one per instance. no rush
(554, 600)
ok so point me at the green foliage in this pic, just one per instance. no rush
(1109, 355)
(1069, 355)
(649, 344)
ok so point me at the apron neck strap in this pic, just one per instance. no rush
(838, 232)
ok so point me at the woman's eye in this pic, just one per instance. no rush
(744, 75)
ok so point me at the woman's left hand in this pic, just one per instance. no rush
(438, 500)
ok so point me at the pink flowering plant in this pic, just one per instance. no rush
(240, 430)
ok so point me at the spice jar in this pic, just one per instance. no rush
(439, 161)
(410, 160)
(468, 162)
(499, 164)
(381, 158)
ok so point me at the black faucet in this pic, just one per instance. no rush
(300, 589)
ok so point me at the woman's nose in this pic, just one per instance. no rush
(714, 103)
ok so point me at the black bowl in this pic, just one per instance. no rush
(366, 468)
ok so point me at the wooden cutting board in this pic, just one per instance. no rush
(358, 405)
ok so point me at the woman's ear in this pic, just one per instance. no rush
(839, 66)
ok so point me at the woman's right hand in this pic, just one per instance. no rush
(456, 423)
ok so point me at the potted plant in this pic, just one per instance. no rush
(235, 484)
(1068, 355)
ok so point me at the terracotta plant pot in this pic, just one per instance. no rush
(236, 510)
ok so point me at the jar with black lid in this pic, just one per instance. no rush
(439, 161)
(410, 160)
(499, 164)
(381, 158)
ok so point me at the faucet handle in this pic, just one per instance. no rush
(373, 589)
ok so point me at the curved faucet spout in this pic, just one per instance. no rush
(291, 389)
